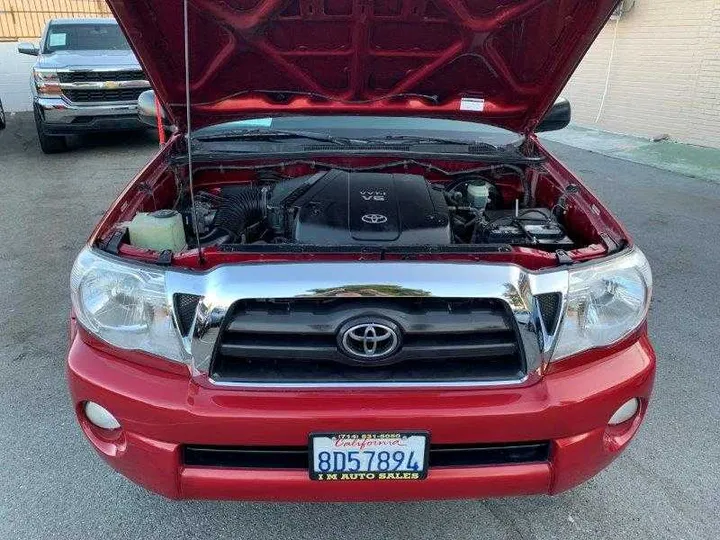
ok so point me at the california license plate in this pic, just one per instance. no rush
(368, 456)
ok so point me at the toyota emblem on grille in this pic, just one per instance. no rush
(374, 219)
(369, 341)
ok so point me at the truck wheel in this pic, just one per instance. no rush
(49, 144)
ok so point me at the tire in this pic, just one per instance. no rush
(2, 117)
(49, 144)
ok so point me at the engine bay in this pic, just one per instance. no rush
(344, 208)
(337, 208)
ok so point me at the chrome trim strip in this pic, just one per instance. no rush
(104, 85)
(224, 285)
(95, 69)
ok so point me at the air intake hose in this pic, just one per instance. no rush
(241, 208)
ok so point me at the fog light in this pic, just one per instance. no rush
(100, 416)
(626, 411)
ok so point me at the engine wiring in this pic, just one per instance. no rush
(461, 176)
(368, 168)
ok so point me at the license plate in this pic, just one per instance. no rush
(368, 456)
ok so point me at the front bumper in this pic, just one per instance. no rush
(63, 118)
(160, 411)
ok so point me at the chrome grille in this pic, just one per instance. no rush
(296, 341)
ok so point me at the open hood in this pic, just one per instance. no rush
(502, 62)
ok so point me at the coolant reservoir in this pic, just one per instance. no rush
(159, 230)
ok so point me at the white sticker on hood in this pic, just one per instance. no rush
(472, 104)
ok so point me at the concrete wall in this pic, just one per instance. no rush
(15, 78)
(664, 77)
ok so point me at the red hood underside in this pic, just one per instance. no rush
(502, 62)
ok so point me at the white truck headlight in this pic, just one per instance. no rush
(125, 305)
(605, 302)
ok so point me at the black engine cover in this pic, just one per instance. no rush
(345, 208)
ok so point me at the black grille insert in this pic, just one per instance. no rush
(120, 94)
(296, 457)
(185, 306)
(549, 310)
(295, 341)
(101, 76)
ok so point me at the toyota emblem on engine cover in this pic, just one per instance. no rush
(369, 341)
(374, 219)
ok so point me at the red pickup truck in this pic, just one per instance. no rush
(354, 272)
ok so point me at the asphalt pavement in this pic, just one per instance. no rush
(52, 485)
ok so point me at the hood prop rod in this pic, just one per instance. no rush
(188, 135)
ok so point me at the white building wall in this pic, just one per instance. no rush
(660, 63)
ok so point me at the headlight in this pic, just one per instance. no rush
(605, 302)
(47, 82)
(126, 306)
